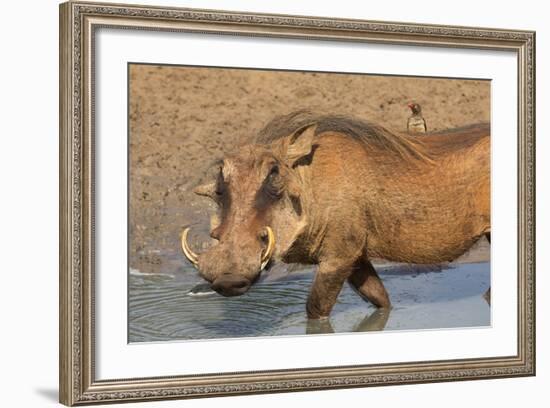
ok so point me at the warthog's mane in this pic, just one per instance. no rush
(370, 135)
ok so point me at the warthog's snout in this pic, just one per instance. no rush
(238, 271)
(231, 285)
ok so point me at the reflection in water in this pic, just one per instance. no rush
(182, 306)
(374, 321)
(319, 326)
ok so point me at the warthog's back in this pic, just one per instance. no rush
(454, 140)
(436, 212)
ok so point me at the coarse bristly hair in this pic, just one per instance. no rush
(370, 135)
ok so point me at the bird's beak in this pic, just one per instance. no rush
(410, 105)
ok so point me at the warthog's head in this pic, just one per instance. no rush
(259, 192)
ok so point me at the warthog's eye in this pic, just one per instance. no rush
(273, 184)
(273, 172)
(271, 189)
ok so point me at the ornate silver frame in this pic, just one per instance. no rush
(78, 22)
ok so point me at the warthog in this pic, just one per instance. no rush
(336, 192)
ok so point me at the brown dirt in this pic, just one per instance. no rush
(184, 118)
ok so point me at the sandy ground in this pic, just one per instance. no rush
(184, 118)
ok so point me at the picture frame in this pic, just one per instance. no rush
(79, 24)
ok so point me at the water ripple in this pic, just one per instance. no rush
(165, 307)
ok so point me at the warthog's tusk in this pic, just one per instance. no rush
(270, 247)
(189, 254)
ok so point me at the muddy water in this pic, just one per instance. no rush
(179, 306)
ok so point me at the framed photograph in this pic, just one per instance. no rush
(256, 203)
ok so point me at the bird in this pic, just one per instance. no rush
(416, 123)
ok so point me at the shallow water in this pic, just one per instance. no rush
(180, 306)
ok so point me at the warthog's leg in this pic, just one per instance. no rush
(368, 285)
(487, 295)
(326, 286)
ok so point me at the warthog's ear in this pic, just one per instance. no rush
(300, 144)
(207, 190)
